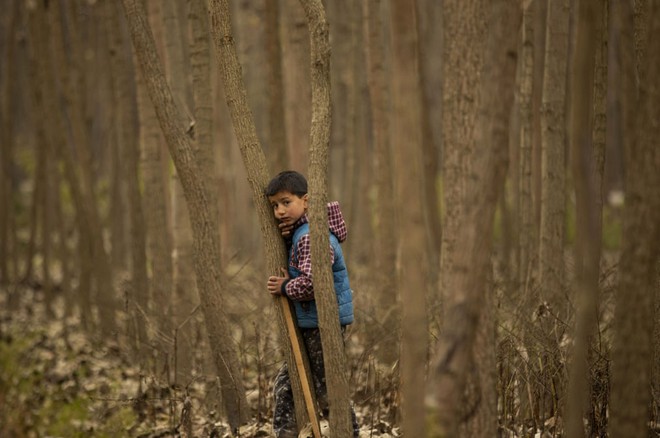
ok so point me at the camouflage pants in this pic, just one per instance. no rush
(284, 416)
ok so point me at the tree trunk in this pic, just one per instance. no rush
(127, 136)
(429, 36)
(587, 245)
(210, 279)
(540, 18)
(200, 64)
(409, 190)
(524, 289)
(598, 363)
(341, 13)
(632, 351)
(46, 209)
(297, 97)
(255, 164)
(336, 373)
(551, 265)
(185, 286)
(7, 144)
(38, 189)
(277, 147)
(430, 15)
(153, 162)
(356, 144)
(484, 424)
(387, 309)
(655, 372)
(525, 208)
(462, 57)
(468, 278)
(117, 217)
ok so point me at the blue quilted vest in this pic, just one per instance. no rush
(306, 310)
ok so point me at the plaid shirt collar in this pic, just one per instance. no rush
(336, 221)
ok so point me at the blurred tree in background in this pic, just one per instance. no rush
(496, 291)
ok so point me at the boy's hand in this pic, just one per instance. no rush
(285, 229)
(274, 284)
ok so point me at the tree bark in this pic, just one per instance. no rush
(297, 97)
(387, 310)
(483, 184)
(598, 364)
(200, 66)
(46, 209)
(210, 279)
(551, 266)
(185, 291)
(413, 270)
(632, 350)
(587, 245)
(526, 208)
(7, 147)
(153, 162)
(39, 187)
(462, 58)
(540, 18)
(277, 148)
(117, 217)
(336, 373)
(127, 140)
(429, 38)
(356, 189)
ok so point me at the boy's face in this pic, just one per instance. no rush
(287, 207)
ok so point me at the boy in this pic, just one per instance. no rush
(287, 193)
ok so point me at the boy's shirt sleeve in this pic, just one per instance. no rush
(301, 288)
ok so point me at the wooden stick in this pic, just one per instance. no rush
(292, 332)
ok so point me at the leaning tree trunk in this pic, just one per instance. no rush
(336, 374)
(155, 165)
(258, 176)
(176, 71)
(210, 279)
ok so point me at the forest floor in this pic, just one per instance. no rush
(56, 382)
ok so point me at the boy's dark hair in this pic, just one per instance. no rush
(290, 181)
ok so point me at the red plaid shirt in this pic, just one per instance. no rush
(301, 288)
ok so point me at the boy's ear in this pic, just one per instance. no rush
(305, 198)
